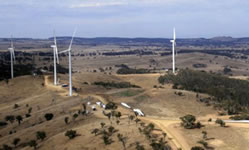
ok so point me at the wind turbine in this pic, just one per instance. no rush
(12, 57)
(173, 50)
(56, 59)
(70, 63)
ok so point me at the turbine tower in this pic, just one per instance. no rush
(12, 57)
(56, 59)
(70, 63)
(173, 50)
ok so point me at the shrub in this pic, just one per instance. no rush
(33, 143)
(111, 105)
(188, 122)
(16, 106)
(2, 123)
(6, 147)
(27, 115)
(71, 134)
(16, 141)
(197, 148)
(220, 122)
(95, 131)
(66, 120)
(41, 135)
(49, 116)
(10, 118)
(19, 119)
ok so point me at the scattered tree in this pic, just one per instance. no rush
(95, 131)
(66, 120)
(220, 122)
(19, 119)
(10, 118)
(122, 139)
(16, 141)
(33, 143)
(71, 134)
(41, 135)
(48, 116)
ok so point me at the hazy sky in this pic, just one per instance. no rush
(124, 18)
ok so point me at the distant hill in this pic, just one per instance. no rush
(29, 43)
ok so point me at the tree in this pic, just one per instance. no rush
(164, 135)
(107, 140)
(66, 120)
(122, 139)
(95, 131)
(75, 116)
(102, 124)
(48, 116)
(117, 121)
(71, 134)
(33, 143)
(197, 148)
(41, 135)
(111, 129)
(30, 110)
(137, 120)
(188, 122)
(204, 143)
(19, 119)
(204, 135)
(131, 117)
(220, 122)
(10, 118)
(139, 147)
(6, 147)
(16, 141)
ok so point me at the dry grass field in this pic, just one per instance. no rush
(161, 106)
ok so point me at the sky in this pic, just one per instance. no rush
(124, 18)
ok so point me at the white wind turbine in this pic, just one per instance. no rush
(12, 57)
(70, 63)
(173, 49)
(56, 59)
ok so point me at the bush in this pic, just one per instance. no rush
(71, 134)
(19, 119)
(41, 135)
(49, 116)
(197, 148)
(188, 122)
(2, 123)
(10, 118)
(16, 141)
(6, 147)
(220, 122)
(33, 143)
(27, 115)
(111, 105)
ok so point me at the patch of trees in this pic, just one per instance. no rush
(134, 52)
(231, 93)
(189, 122)
(133, 71)
(240, 117)
(116, 85)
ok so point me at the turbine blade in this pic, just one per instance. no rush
(70, 46)
(57, 56)
(55, 43)
(174, 34)
(12, 45)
